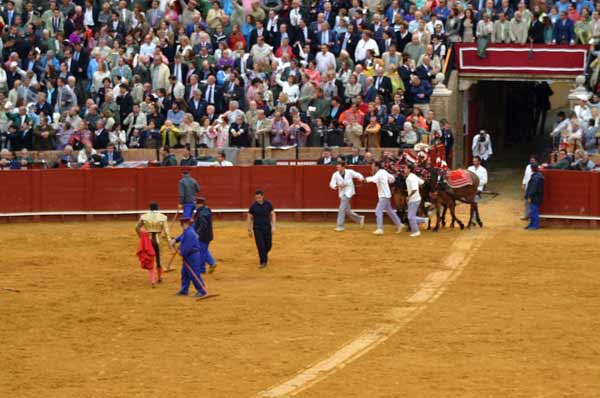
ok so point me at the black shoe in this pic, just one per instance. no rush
(262, 265)
(181, 294)
(199, 295)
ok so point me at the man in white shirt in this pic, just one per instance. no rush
(481, 172)
(221, 162)
(383, 179)
(343, 181)
(526, 178)
(414, 200)
(364, 44)
(482, 146)
(324, 60)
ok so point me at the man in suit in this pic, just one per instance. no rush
(79, 62)
(179, 69)
(261, 129)
(111, 157)
(125, 101)
(125, 15)
(326, 158)
(10, 13)
(55, 23)
(403, 37)
(307, 93)
(518, 29)
(326, 36)
(135, 120)
(195, 105)
(564, 30)
(501, 32)
(117, 28)
(355, 158)
(212, 94)
(258, 32)
(65, 97)
(176, 89)
(370, 90)
(425, 71)
(321, 105)
(383, 85)
(191, 87)
(69, 24)
(154, 16)
(536, 30)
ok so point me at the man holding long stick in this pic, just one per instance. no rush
(194, 259)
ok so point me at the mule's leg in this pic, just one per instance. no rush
(452, 207)
(437, 215)
(471, 211)
(479, 222)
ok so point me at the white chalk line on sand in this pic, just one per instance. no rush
(433, 286)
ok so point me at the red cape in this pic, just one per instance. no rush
(145, 252)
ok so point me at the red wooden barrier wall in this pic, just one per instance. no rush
(567, 193)
(291, 187)
(571, 193)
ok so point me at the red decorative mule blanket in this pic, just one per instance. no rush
(459, 178)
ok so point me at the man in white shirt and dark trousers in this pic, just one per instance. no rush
(383, 179)
(414, 200)
(481, 172)
(526, 178)
(343, 181)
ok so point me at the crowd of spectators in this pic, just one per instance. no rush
(78, 76)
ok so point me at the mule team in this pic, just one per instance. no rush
(416, 187)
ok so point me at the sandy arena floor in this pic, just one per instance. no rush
(520, 320)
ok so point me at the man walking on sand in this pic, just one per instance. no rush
(188, 188)
(383, 179)
(261, 224)
(343, 181)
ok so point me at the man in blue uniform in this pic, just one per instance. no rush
(194, 259)
(261, 222)
(204, 229)
(188, 188)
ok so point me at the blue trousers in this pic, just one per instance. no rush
(534, 216)
(188, 210)
(209, 258)
(192, 272)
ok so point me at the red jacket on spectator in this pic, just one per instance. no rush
(236, 38)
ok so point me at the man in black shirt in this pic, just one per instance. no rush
(261, 222)
(204, 228)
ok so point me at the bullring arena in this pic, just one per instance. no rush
(491, 312)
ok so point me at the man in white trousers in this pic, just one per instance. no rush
(383, 179)
(343, 181)
(414, 200)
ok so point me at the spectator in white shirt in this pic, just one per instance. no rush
(482, 146)
(481, 172)
(583, 111)
(85, 154)
(383, 179)
(364, 44)
(343, 181)
(414, 200)
(325, 60)
(289, 87)
(221, 162)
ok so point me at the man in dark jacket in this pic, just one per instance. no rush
(204, 228)
(535, 196)
(188, 188)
